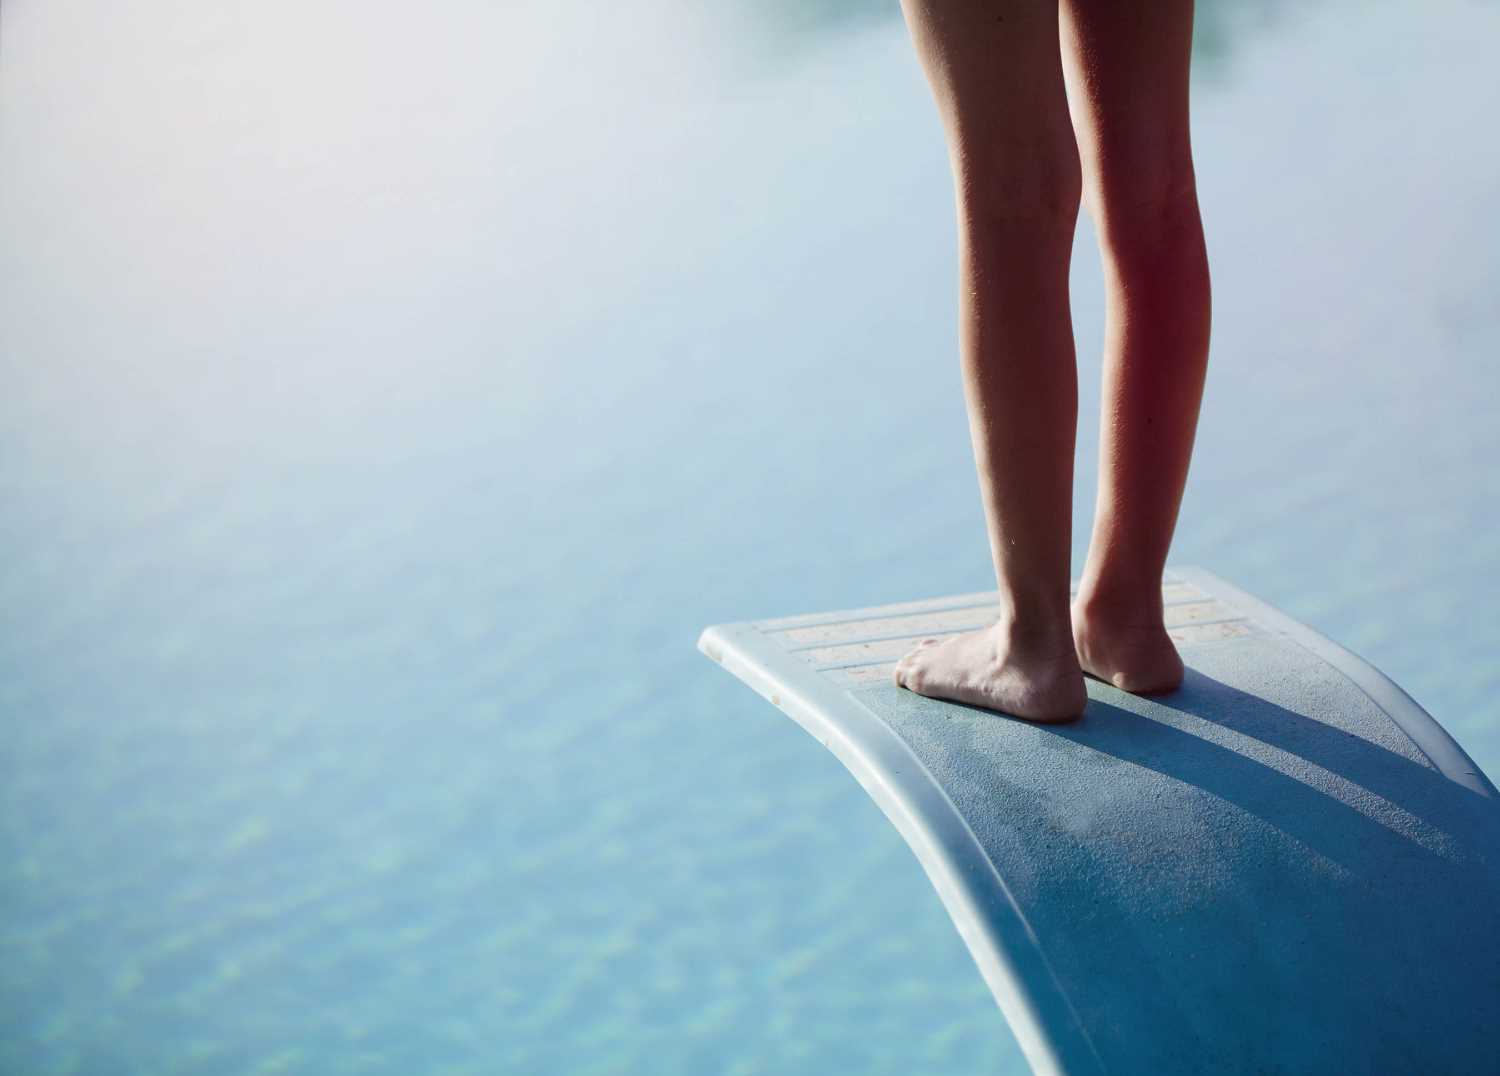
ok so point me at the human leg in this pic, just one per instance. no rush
(1126, 63)
(995, 71)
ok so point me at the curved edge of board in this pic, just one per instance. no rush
(977, 898)
(992, 926)
(1430, 737)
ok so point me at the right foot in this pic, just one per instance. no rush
(1129, 649)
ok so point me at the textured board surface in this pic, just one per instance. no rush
(1285, 866)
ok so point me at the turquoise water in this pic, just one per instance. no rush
(386, 402)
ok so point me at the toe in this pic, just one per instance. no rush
(902, 675)
(910, 675)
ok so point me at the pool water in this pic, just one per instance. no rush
(387, 400)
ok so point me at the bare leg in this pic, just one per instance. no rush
(1126, 63)
(995, 71)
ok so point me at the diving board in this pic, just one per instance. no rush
(1284, 866)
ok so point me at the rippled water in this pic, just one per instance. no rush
(387, 399)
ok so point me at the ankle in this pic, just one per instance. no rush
(1120, 601)
(1040, 636)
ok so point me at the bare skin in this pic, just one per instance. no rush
(1041, 105)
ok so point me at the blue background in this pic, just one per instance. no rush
(388, 397)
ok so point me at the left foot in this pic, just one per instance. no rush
(1027, 678)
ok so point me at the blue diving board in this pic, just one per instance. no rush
(1286, 866)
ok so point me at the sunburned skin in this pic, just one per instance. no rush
(1044, 104)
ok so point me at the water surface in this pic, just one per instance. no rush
(386, 400)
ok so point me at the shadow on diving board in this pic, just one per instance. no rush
(1285, 866)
